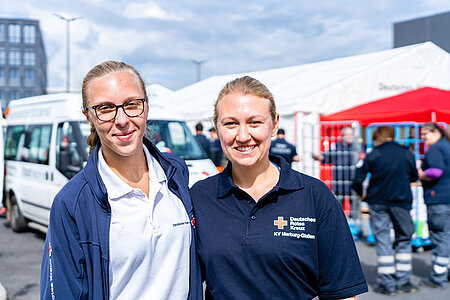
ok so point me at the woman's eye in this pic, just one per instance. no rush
(106, 107)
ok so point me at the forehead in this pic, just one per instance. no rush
(238, 104)
(114, 82)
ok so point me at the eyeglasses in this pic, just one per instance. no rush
(424, 133)
(108, 111)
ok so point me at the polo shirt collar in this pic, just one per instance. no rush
(116, 187)
(289, 179)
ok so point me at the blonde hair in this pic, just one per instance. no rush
(101, 70)
(246, 86)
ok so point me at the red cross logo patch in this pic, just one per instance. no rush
(280, 222)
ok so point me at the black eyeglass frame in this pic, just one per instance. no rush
(94, 107)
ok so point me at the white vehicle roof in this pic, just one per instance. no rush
(67, 106)
(45, 108)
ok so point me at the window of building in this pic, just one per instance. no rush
(2, 32)
(29, 77)
(14, 57)
(29, 58)
(2, 77)
(14, 33)
(14, 95)
(28, 94)
(14, 77)
(2, 57)
(3, 100)
(29, 34)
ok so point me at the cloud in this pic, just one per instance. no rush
(149, 9)
(161, 37)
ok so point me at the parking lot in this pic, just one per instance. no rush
(20, 258)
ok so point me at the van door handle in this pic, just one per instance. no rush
(46, 175)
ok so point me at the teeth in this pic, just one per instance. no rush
(245, 148)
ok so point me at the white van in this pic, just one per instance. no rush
(45, 146)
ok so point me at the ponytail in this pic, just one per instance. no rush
(93, 139)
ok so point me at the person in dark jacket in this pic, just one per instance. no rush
(202, 139)
(342, 156)
(122, 228)
(434, 172)
(216, 148)
(389, 196)
(282, 148)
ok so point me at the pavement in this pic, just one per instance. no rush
(421, 267)
(20, 258)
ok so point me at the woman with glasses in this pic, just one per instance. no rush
(434, 172)
(264, 230)
(122, 227)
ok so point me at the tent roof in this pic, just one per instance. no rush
(421, 105)
(329, 86)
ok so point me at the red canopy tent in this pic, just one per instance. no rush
(422, 105)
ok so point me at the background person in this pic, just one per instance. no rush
(389, 196)
(202, 140)
(121, 228)
(343, 159)
(282, 148)
(434, 172)
(264, 230)
(216, 148)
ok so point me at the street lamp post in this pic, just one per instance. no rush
(68, 20)
(198, 64)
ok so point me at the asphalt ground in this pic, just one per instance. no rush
(21, 254)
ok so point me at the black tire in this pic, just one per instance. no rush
(17, 220)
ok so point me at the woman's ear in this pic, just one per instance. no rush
(276, 123)
(86, 114)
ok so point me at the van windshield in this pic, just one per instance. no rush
(174, 137)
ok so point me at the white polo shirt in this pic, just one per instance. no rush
(149, 237)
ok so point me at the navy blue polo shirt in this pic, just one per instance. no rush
(294, 243)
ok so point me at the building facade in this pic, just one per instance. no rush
(23, 63)
(433, 28)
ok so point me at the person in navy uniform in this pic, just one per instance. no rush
(122, 227)
(389, 196)
(342, 157)
(202, 139)
(434, 172)
(264, 230)
(216, 148)
(282, 148)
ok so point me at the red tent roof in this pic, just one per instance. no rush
(421, 105)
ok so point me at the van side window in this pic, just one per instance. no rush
(37, 143)
(13, 136)
(69, 160)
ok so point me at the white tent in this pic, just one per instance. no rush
(332, 85)
(303, 92)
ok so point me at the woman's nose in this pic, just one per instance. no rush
(243, 134)
(121, 117)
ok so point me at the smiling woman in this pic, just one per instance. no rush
(276, 225)
(122, 227)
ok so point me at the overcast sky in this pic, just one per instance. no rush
(161, 38)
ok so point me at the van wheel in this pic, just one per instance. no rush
(17, 221)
